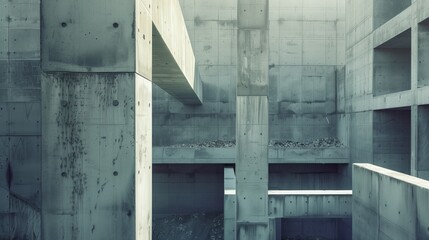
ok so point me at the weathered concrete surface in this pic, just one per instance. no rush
(100, 39)
(88, 162)
(252, 133)
(388, 204)
(20, 120)
(112, 39)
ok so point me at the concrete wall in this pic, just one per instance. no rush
(306, 52)
(378, 32)
(388, 204)
(212, 30)
(20, 142)
(382, 57)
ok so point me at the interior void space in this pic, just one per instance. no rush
(315, 228)
(392, 65)
(392, 139)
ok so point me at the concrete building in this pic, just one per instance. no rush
(227, 119)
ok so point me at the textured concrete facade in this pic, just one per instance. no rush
(20, 120)
(237, 98)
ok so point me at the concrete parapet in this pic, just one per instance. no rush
(388, 204)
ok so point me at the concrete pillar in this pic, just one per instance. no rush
(229, 211)
(252, 120)
(275, 229)
(96, 119)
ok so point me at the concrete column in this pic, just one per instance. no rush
(229, 204)
(96, 119)
(252, 120)
(275, 229)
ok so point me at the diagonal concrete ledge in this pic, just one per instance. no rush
(173, 58)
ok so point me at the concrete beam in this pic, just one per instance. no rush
(389, 204)
(176, 155)
(173, 58)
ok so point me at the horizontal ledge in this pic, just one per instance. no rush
(394, 174)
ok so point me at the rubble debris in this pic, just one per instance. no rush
(188, 227)
(315, 143)
(209, 144)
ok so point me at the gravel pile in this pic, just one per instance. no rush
(316, 143)
(199, 226)
(209, 144)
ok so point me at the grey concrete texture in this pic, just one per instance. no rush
(388, 204)
(20, 141)
(102, 38)
(310, 206)
(88, 166)
(252, 135)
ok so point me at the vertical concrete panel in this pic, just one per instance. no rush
(252, 120)
(88, 156)
(143, 162)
